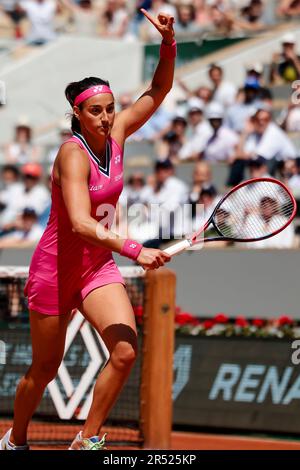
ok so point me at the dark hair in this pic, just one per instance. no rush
(12, 168)
(163, 165)
(27, 130)
(215, 67)
(211, 192)
(74, 89)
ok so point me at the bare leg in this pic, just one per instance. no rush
(48, 341)
(109, 310)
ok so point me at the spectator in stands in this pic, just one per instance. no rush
(289, 119)
(267, 139)
(133, 189)
(289, 8)
(173, 140)
(198, 133)
(258, 168)
(262, 221)
(21, 150)
(33, 193)
(248, 99)
(261, 137)
(168, 194)
(186, 25)
(222, 20)
(115, 20)
(202, 180)
(125, 100)
(27, 232)
(64, 134)
(289, 172)
(251, 17)
(12, 10)
(204, 93)
(156, 126)
(223, 92)
(44, 215)
(41, 14)
(85, 15)
(11, 191)
(255, 71)
(286, 65)
(223, 140)
(203, 17)
(202, 210)
(254, 75)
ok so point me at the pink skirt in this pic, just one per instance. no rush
(52, 291)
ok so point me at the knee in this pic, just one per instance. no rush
(124, 355)
(44, 371)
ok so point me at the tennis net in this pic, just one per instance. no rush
(66, 401)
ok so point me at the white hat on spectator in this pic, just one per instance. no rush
(256, 67)
(214, 111)
(195, 104)
(23, 121)
(288, 38)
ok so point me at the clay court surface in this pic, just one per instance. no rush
(196, 441)
(179, 441)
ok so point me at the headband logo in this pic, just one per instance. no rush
(98, 89)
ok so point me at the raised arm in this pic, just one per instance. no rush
(137, 114)
(69, 5)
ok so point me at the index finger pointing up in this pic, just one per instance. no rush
(150, 17)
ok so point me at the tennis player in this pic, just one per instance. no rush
(72, 266)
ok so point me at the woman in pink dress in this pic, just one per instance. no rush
(72, 266)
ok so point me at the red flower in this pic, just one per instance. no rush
(208, 324)
(221, 318)
(184, 318)
(285, 320)
(241, 321)
(138, 312)
(258, 322)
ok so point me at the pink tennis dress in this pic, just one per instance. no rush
(65, 268)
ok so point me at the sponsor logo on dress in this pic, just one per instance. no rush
(118, 177)
(95, 188)
(117, 159)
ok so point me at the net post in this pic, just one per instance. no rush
(157, 366)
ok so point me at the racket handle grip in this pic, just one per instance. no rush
(178, 247)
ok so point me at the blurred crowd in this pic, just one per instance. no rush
(40, 21)
(240, 129)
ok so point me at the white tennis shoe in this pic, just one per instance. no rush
(5, 443)
(88, 443)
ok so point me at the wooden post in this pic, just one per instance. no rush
(157, 367)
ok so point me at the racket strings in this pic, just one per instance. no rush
(255, 210)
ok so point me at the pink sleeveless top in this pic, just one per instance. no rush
(61, 255)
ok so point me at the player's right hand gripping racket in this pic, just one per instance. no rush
(254, 210)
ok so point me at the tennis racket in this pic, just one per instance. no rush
(252, 211)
